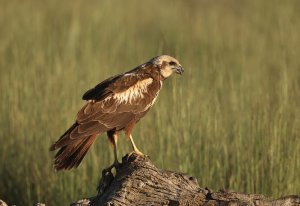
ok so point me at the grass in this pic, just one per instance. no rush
(232, 120)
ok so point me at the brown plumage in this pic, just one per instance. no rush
(115, 104)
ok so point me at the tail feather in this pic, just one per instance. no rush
(63, 138)
(77, 157)
(67, 151)
(71, 152)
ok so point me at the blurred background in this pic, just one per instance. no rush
(232, 120)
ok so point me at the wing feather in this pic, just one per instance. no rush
(117, 83)
(88, 130)
(100, 91)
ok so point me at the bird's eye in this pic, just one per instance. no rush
(172, 63)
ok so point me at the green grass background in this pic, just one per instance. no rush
(232, 120)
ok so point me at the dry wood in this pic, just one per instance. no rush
(139, 182)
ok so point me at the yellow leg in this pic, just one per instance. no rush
(116, 162)
(114, 140)
(135, 149)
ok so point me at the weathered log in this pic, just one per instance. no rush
(139, 182)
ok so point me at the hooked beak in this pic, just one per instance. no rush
(179, 69)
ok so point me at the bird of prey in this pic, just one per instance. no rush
(115, 104)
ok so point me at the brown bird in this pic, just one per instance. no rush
(115, 104)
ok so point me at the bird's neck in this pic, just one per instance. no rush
(156, 75)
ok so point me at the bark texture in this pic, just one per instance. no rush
(139, 182)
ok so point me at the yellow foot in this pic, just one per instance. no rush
(139, 153)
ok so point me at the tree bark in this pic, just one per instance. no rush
(139, 182)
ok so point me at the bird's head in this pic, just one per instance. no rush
(167, 65)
